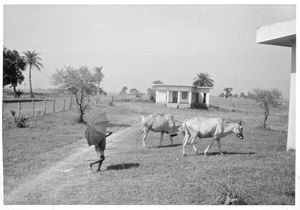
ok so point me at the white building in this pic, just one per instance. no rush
(181, 96)
(284, 34)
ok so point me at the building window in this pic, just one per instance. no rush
(184, 95)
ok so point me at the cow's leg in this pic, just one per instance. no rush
(161, 138)
(144, 136)
(219, 146)
(171, 139)
(193, 144)
(209, 146)
(185, 140)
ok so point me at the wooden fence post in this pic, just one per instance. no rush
(53, 106)
(64, 107)
(19, 109)
(33, 104)
(45, 107)
(70, 106)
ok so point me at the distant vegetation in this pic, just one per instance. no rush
(124, 90)
(157, 82)
(228, 93)
(134, 91)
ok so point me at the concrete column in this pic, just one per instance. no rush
(207, 99)
(190, 98)
(168, 96)
(292, 104)
(179, 97)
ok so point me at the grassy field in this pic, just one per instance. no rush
(257, 168)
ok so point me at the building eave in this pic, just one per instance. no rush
(280, 34)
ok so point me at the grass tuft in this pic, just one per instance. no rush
(228, 195)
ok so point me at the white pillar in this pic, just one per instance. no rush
(179, 97)
(190, 98)
(207, 99)
(168, 95)
(292, 104)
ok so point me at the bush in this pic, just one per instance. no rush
(200, 106)
(227, 195)
(19, 93)
(21, 120)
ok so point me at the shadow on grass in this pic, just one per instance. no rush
(118, 125)
(164, 146)
(226, 153)
(122, 166)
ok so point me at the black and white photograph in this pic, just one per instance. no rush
(149, 104)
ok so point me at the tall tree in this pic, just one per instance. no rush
(79, 82)
(13, 67)
(203, 80)
(98, 76)
(32, 60)
(267, 99)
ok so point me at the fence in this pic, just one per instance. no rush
(34, 107)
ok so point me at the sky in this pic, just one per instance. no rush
(137, 45)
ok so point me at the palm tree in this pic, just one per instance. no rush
(203, 80)
(33, 60)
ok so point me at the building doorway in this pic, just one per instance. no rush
(197, 97)
(175, 97)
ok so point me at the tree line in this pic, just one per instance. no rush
(14, 65)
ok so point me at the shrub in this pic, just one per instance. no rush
(19, 93)
(200, 106)
(20, 121)
(227, 195)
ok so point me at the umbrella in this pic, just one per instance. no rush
(96, 132)
(96, 135)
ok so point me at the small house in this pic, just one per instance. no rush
(181, 96)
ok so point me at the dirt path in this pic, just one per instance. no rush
(42, 188)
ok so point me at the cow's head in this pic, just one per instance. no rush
(238, 130)
(181, 128)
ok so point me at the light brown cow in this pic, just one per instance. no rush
(202, 127)
(163, 123)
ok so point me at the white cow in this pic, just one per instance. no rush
(163, 123)
(202, 127)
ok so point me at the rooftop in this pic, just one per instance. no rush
(282, 34)
(186, 86)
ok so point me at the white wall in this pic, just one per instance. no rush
(161, 96)
(291, 144)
